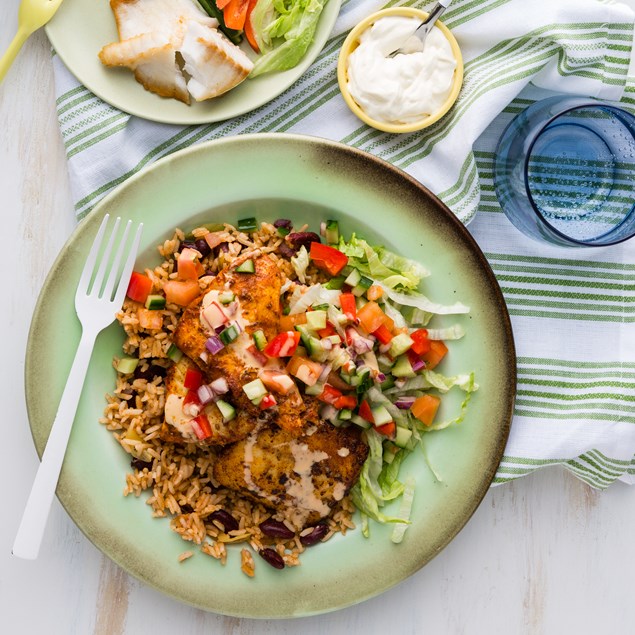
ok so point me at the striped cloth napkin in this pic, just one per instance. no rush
(573, 311)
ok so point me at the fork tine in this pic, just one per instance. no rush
(127, 269)
(87, 273)
(105, 259)
(114, 270)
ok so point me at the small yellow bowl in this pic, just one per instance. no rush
(352, 42)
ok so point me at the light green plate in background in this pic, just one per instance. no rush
(308, 180)
(81, 28)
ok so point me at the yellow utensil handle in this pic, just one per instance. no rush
(16, 44)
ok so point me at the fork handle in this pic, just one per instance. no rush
(31, 529)
(14, 48)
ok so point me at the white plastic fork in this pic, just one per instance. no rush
(96, 305)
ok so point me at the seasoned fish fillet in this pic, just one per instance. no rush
(213, 63)
(177, 427)
(258, 296)
(302, 475)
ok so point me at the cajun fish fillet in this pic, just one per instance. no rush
(258, 295)
(302, 475)
(177, 427)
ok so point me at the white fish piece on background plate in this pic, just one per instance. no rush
(214, 64)
(153, 61)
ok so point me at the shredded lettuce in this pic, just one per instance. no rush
(455, 332)
(300, 262)
(429, 379)
(285, 28)
(301, 298)
(421, 302)
(469, 390)
(404, 510)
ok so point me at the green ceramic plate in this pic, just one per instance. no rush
(308, 180)
(81, 28)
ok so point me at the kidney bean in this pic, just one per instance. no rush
(138, 464)
(202, 247)
(186, 509)
(319, 531)
(297, 239)
(272, 557)
(228, 522)
(276, 529)
(190, 244)
(153, 370)
(286, 251)
(283, 222)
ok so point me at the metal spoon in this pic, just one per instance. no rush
(32, 15)
(425, 27)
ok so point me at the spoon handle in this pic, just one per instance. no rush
(16, 44)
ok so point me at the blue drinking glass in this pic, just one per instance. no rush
(564, 172)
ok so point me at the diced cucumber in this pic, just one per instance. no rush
(353, 278)
(305, 334)
(402, 436)
(155, 302)
(317, 350)
(334, 339)
(247, 225)
(362, 286)
(316, 320)
(260, 340)
(320, 307)
(316, 389)
(365, 380)
(345, 414)
(362, 423)
(226, 409)
(389, 382)
(335, 283)
(402, 368)
(246, 267)
(174, 353)
(332, 232)
(283, 231)
(126, 365)
(360, 301)
(225, 297)
(384, 362)
(390, 452)
(400, 344)
(255, 390)
(229, 334)
(381, 415)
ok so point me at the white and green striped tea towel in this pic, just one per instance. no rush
(573, 311)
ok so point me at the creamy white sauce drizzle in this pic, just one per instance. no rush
(303, 490)
(404, 88)
(175, 416)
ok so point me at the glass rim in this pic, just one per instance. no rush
(584, 103)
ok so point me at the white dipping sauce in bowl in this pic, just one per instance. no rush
(407, 87)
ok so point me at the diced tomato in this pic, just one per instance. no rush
(305, 369)
(213, 239)
(201, 426)
(214, 315)
(192, 404)
(139, 287)
(283, 344)
(346, 401)
(329, 394)
(289, 322)
(374, 292)
(383, 334)
(387, 429)
(249, 29)
(235, 14)
(181, 292)
(328, 258)
(371, 317)
(365, 412)
(425, 408)
(349, 309)
(188, 266)
(259, 356)
(277, 381)
(327, 331)
(150, 319)
(436, 353)
(193, 379)
(421, 343)
(268, 401)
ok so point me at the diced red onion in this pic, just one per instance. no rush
(322, 228)
(206, 394)
(417, 364)
(324, 374)
(214, 345)
(403, 403)
(380, 377)
(327, 344)
(220, 386)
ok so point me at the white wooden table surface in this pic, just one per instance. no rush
(546, 554)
